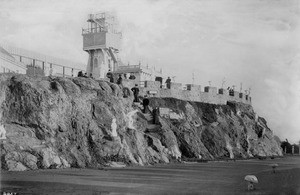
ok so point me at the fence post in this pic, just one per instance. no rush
(51, 70)
(33, 63)
(63, 71)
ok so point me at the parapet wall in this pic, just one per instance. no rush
(193, 93)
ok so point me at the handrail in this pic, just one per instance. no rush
(47, 63)
(40, 57)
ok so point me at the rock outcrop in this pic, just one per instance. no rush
(54, 122)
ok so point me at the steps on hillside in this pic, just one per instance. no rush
(148, 117)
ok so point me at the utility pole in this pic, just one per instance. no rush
(193, 79)
(223, 82)
(241, 87)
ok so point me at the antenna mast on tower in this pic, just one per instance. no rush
(223, 82)
(241, 87)
(193, 78)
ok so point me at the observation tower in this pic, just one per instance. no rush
(102, 41)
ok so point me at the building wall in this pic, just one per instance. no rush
(101, 39)
(141, 73)
(193, 93)
(98, 63)
(94, 39)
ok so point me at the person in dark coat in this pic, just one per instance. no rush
(131, 77)
(135, 91)
(146, 105)
(168, 81)
(110, 76)
(80, 74)
(156, 114)
(119, 81)
(111, 79)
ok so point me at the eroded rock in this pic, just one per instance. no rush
(54, 122)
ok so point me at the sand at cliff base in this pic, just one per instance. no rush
(193, 178)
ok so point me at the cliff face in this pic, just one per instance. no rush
(53, 122)
(216, 131)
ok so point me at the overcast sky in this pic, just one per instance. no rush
(255, 42)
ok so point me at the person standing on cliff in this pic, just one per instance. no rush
(168, 81)
(119, 81)
(146, 102)
(80, 74)
(135, 91)
(110, 76)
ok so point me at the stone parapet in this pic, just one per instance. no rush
(176, 86)
(212, 90)
(211, 95)
(152, 84)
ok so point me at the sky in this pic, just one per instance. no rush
(253, 42)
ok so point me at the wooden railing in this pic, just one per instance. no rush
(50, 65)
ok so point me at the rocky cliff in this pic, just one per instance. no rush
(54, 122)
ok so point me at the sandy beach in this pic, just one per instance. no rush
(185, 178)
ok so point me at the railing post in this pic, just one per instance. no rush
(33, 63)
(51, 70)
(43, 66)
(63, 71)
(20, 58)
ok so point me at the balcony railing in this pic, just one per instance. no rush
(94, 30)
(129, 67)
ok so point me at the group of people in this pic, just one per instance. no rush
(80, 74)
(120, 78)
(110, 76)
(231, 91)
(135, 89)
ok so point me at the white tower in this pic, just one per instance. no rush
(102, 41)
